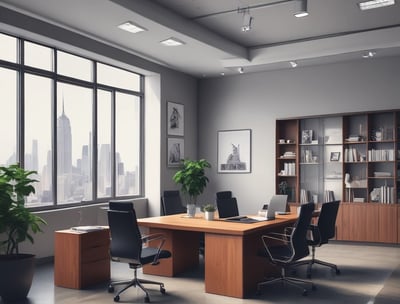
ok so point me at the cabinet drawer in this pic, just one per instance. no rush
(95, 272)
(95, 253)
(95, 239)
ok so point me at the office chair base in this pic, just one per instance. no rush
(289, 280)
(135, 282)
(315, 261)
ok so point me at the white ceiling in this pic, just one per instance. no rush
(335, 30)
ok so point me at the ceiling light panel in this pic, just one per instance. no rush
(131, 27)
(366, 5)
(172, 42)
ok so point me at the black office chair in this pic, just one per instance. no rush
(224, 194)
(321, 233)
(227, 207)
(127, 247)
(171, 202)
(285, 249)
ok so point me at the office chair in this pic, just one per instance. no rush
(321, 233)
(227, 207)
(127, 247)
(285, 249)
(171, 202)
(224, 194)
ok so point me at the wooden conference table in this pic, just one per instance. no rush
(232, 265)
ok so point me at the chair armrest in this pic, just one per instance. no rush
(155, 237)
(152, 237)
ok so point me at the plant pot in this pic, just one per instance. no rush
(209, 215)
(16, 274)
(191, 210)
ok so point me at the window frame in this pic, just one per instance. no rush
(21, 69)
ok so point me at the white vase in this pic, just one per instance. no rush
(191, 210)
(209, 215)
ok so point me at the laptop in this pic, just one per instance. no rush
(278, 204)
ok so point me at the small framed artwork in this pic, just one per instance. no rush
(176, 151)
(234, 151)
(175, 119)
(306, 136)
(335, 156)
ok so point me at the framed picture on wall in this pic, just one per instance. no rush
(175, 119)
(176, 151)
(335, 156)
(234, 151)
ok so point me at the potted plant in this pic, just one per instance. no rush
(209, 210)
(17, 224)
(193, 181)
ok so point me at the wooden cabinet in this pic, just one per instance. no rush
(352, 157)
(81, 259)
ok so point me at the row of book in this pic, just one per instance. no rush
(352, 155)
(383, 194)
(381, 155)
(305, 196)
(289, 169)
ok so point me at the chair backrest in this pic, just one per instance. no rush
(299, 233)
(227, 207)
(126, 240)
(224, 194)
(172, 203)
(327, 221)
(121, 205)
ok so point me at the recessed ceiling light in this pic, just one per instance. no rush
(302, 11)
(241, 70)
(366, 5)
(172, 42)
(369, 54)
(131, 27)
(293, 64)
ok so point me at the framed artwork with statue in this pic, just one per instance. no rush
(175, 119)
(234, 151)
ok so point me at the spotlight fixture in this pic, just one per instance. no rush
(366, 5)
(293, 64)
(247, 19)
(172, 42)
(241, 70)
(131, 27)
(369, 54)
(302, 10)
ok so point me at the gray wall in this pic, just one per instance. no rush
(255, 101)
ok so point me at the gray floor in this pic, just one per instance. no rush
(365, 270)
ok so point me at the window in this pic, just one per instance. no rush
(57, 114)
(8, 104)
(38, 149)
(8, 49)
(127, 144)
(38, 56)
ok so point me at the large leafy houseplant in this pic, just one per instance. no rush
(192, 179)
(16, 221)
(17, 224)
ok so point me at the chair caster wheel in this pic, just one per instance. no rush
(110, 289)
(162, 290)
(305, 292)
(147, 300)
(116, 299)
